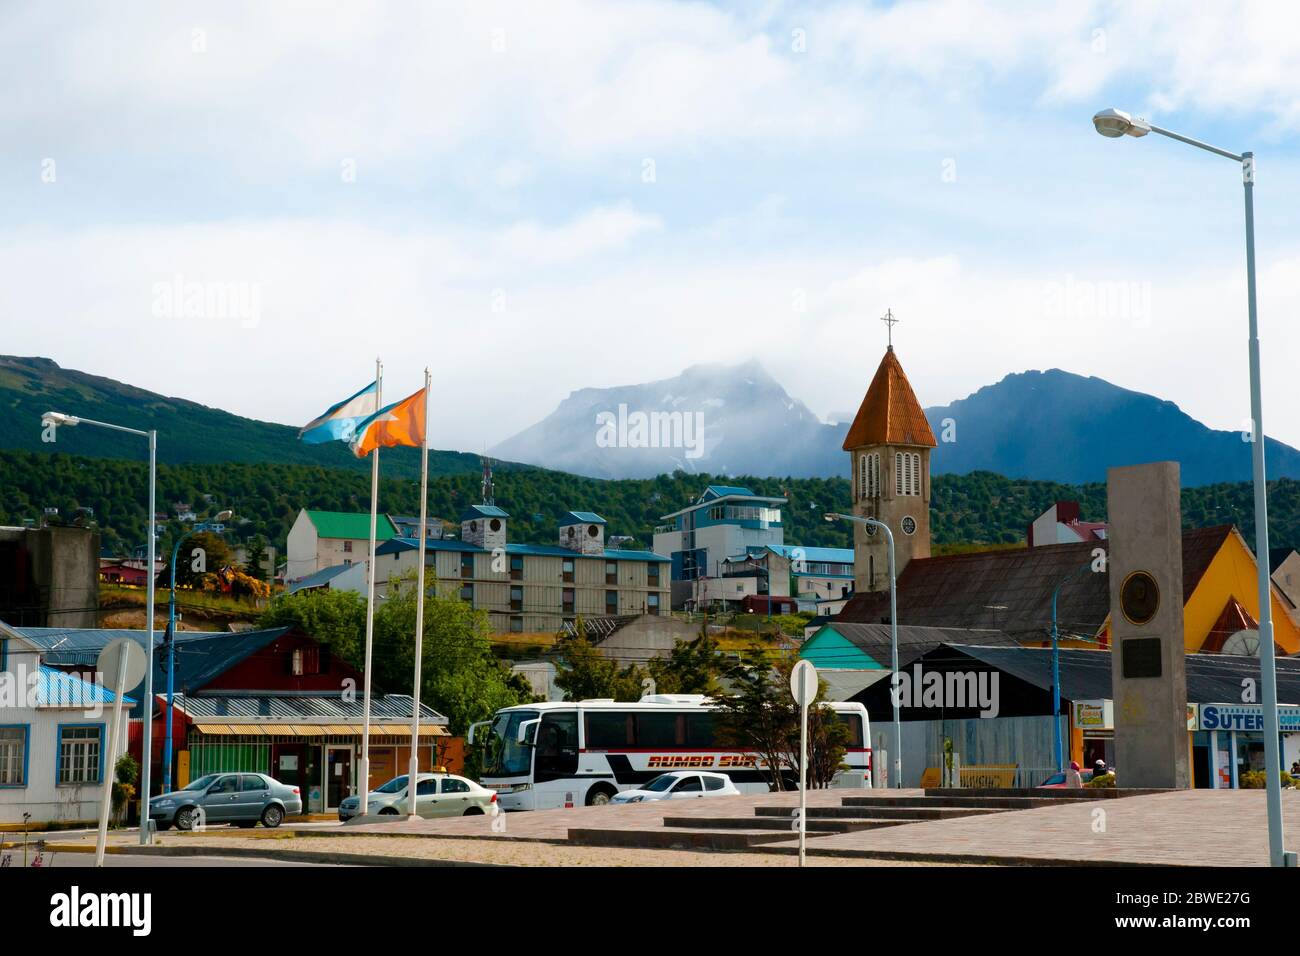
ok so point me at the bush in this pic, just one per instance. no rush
(1254, 780)
(1105, 780)
(125, 774)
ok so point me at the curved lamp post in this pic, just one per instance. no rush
(146, 751)
(893, 634)
(1113, 124)
(171, 646)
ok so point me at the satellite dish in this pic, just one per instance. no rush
(1244, 643)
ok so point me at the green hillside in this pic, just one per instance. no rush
(187, 432)
(979, 507)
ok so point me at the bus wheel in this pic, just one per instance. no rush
(599, 796)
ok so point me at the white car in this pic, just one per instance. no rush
(438, 794)
(680, 785)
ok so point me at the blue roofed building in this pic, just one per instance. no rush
(534, 588)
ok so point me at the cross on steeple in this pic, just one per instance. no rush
(890, 322)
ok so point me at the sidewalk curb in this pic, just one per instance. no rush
(297, 856)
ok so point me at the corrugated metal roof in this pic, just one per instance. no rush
(875, 640)
(348, 524)
(541, 550)
(830, 555)
(54, 688)
(319, 579)
(1011, 590)
(721, 491)
(315, 708)
(581, 517)
(1086, 674)
(890, 413)
(482, 511)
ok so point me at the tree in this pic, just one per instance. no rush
(587, 674)
(762, 717)
(692, 667)
(335, 618)
(214, 554)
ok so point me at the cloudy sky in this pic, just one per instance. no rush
(533, 198)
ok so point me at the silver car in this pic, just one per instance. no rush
(243, 799)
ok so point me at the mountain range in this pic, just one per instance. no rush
(738, 420)
(718, 419)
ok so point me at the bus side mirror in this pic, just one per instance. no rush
(473, 731)
(528, 732)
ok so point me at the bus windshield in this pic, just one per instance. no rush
(506, 756)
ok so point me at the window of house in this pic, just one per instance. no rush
(305, 661)
(566, 599)
(611, 602)
(611, 572)
(566, 570)
(80, 752)
(652, 604)
(516, 624)
(347, 547)
(467, 565)
(516, 567)
(652, 574)
(467, 593)
(13, 756)
(516, 599)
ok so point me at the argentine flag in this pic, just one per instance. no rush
(340, 422)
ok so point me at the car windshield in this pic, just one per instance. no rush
(660, 783)
(506, 756)
(396, 785)
(203, 782)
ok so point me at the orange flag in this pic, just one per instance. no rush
(401, 423)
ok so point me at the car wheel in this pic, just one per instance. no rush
(185, 818)
(473, 812)
(247, 824)
(599, 796)
(272, 817)
(388, 812)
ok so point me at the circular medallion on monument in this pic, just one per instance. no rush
(1139, 597)
(909, 525)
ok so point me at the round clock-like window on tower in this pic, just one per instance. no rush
(909, 525)
(593, 531)
(495, 524)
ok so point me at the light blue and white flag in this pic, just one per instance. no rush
(340, 422)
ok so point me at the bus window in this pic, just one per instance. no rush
(506, 757)
(557, 743)
(699, 731)
(854, 723)
(608, 730)
(656, 730)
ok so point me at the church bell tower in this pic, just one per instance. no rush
(889, 447)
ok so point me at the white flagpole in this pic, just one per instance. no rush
(364, 774)
(414, 768)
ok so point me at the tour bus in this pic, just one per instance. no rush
(581, 753)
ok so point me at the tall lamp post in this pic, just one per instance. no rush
(61, 419)
(1113, 124)
(171, 647)
(893, 634)
(1058, 745)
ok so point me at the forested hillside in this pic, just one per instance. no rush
(979, 507)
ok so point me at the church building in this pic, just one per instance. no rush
(889, 447)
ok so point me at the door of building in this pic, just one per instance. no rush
(338, 775)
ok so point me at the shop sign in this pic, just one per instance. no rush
(1246, 717)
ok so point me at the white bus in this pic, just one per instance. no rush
(580, 753)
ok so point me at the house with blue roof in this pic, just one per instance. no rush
(533, 588)
(272, 701)
(55, 747)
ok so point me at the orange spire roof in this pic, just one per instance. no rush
(890, 414)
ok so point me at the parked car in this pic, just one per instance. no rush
(1057, 780)
(680, 785)
(239, 798)
(436, 795)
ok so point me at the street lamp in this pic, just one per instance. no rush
(893, 634)
(171, 646)
(60, 418)
(1113, 124)
(1058, 746)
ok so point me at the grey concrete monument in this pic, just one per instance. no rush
(1149, 682)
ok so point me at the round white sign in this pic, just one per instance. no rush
(110, 657)
(803, 683)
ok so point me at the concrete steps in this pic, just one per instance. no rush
(672, 838)
(983, 803)
(902, 814)
(816, 824)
